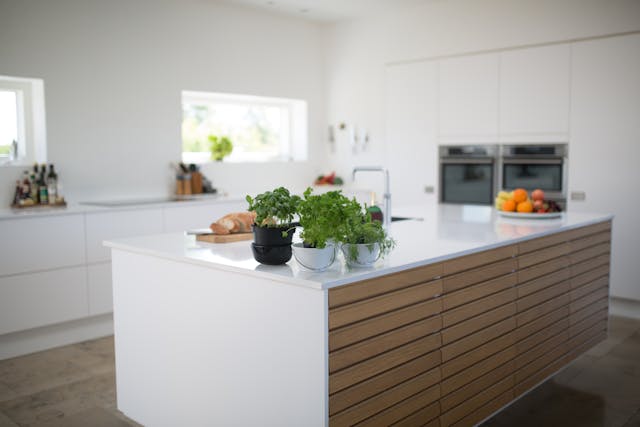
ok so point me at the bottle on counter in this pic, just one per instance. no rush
(18, 193)
(43, 194)
(52, 185)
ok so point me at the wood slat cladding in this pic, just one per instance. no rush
(369, 288)
(451, 343)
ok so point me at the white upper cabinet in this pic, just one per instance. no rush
(411, 120)
(469, 99)
(535, 94)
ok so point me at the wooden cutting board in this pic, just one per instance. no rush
(224, 238)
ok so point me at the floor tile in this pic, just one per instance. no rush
(6, 422)
(94, 417)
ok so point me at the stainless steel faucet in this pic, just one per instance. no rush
(387, 189)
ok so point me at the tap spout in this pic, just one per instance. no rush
(387, 188)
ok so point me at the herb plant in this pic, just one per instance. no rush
(275, 208)
(324, 216)
(220, 147)
(361, 229)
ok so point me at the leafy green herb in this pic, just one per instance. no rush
(361, 229)
(324, 216)
(275, 208)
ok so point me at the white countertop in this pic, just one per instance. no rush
(91, 207)
(446, 231)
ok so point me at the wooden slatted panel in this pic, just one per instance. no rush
(543, 268)
(589, 276)
(376, 365)
(388, 379)
(485, 410)
(543, 255)
(360, 331)
(543, 282)
(588, 299)
(357, 311)
(476, 402)
(476, 386)
(351, 355)
(427, 414)
(465, 377)
(477, 323)
(593, 321)
(588, 241)
(590, 287)
(474, 356)
(380, 285)
(592, 252)
(544, 242)
(403, 409)
(477, 275)
(536, 312)
(426, 382)
(541, 349)
(468, 262)
(590, 264)
(546, 294)
(587, 311)
(477, 307)
(481, 290)
(481, 337)
(550, 322)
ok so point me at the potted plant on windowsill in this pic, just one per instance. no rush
(273, 229)
(220, 147)
(322, 217)
(364, 241)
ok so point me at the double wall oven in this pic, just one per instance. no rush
(475, 173)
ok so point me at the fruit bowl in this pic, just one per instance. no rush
(544, 215)
(520, 204)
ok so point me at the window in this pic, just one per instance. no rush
(261, 129)
(22, 121)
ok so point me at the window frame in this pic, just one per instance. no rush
(293, 149)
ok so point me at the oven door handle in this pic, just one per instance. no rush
(512, 161)
(451, 161)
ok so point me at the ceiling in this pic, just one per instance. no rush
(327, 10)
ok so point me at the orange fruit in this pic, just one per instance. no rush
(525, 207)
(520, 195)
(509, 205)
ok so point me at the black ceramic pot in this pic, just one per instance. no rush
(271, 255)
(271, 236)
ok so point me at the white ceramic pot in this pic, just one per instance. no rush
(361, 255)
(313, 258)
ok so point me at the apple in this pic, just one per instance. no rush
(537, 194)
(538, 205)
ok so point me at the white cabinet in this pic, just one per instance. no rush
(111, 225)
(468, 99)
(186, 217)
(99, 289)
(411, 111)
(37, 299)
(535, 94)
(41, 243)
(605, 146)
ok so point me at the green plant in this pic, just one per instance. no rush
(324, 216)
(362, 230)
(220, 147)
(274, 208)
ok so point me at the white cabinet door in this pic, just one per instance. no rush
(535, 94)
(468, 99)
(110, 225)
(41, 243)
(39, 299)
(186, 217)
(100, 289)
(411, 111)
(605, 146)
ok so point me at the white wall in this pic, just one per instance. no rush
(113, 72)
(357, 51)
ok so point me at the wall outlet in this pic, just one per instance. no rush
(580, 196)
(429, 189)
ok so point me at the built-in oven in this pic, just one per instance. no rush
(535, 166)
(468, 174)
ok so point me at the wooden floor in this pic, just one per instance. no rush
(75, 386)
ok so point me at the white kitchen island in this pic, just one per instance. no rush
(467, 313)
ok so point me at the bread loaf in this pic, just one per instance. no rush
(237, 222)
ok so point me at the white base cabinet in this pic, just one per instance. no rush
(99, 288)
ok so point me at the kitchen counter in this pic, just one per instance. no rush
(443, 232)
(467, 314)
(114, 206)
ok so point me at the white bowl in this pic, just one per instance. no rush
(365, 255)
(313, 258)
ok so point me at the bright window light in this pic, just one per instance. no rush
(8, 124)
(261, 129)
